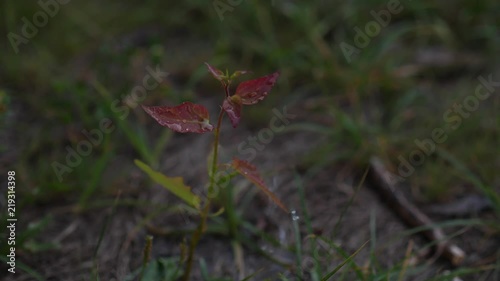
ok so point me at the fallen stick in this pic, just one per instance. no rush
(410, 214)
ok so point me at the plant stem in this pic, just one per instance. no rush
(195, 238)
(204, 213)
(226, 195)
(216, 150)
(146, 255)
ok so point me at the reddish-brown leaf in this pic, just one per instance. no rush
(218, 74)
(184, 118)
(232, 106)
(253, 91)
(250, 172)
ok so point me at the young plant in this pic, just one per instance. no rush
(194, 118)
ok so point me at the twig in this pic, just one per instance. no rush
(410, 214)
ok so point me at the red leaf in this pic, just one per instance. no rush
(250, 172)
(232, 106)
(253, 91)
(218, 74)
(185, 118)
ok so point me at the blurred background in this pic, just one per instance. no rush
(394, 79)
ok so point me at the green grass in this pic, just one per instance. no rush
(66, 78)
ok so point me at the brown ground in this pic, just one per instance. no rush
(328, 193)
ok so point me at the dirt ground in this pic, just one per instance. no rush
(327, 194)
(330, 194)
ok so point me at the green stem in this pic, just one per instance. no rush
(146, 255)
(204, 214)
(195, 238)
(216, 151)
(227, 195)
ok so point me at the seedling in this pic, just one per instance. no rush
(194, 118)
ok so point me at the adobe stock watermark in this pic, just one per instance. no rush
(362, 38)
(223, 6)
(247, 149)
(453, 118)
(95, 137)
(30, 27)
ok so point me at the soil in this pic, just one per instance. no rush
(327, 194)
(330, 194)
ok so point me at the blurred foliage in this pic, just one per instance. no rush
(396, 90)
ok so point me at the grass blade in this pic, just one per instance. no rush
(329, 275)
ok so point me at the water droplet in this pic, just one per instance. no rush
(294, 215)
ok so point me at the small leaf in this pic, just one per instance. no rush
(232, 106)
(253, 91)
(184, 118)
(250, 172)
(238, 73)
(174, 185)
(218, 74)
